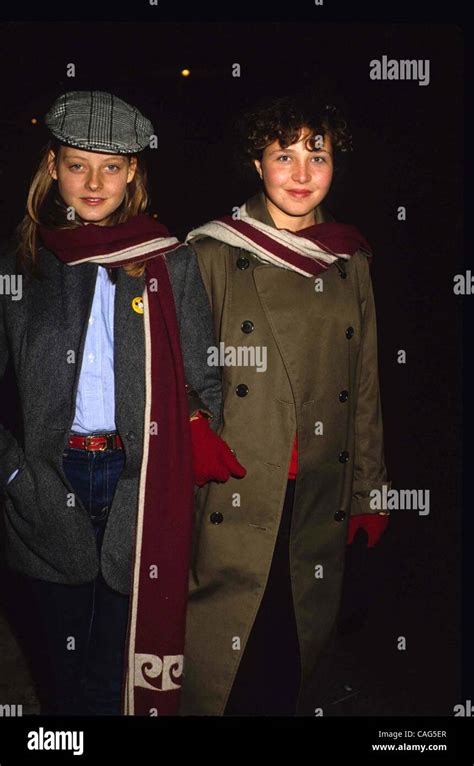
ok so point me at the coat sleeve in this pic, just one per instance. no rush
(196, 334)
(369, 460)
(11, 454)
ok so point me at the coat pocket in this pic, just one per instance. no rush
(20, 495)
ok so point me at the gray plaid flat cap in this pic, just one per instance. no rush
(98, 122)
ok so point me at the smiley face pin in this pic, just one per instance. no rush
(137, 304)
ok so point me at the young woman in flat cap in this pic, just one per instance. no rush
(109, 347)
(293, 287)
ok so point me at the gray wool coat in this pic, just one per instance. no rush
(43, 536)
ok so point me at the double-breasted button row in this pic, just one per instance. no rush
(218, 518)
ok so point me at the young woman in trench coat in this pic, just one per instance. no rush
(295, 324)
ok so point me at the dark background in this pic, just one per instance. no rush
(408, 151)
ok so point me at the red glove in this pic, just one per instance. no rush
(372, 523)
(212, 457)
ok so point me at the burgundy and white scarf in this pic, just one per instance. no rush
(159, 582)
(308, 251)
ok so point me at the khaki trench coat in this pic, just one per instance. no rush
(321, 381)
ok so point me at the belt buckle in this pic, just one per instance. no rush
(100, 448)
(111, 440)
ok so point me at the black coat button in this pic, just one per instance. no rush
(342, 274)
(343, 457)
(349, 333)
(216, 517)
(242, 389)
(339, 516)
(247, 326)
(344, 396)
(130, 436)
(243, 263)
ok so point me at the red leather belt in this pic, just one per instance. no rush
(96, 442)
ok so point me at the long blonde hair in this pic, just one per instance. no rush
(45, 206)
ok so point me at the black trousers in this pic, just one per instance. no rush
(268, 678)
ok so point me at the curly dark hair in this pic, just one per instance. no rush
(284, 118)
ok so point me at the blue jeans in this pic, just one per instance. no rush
(84, 626)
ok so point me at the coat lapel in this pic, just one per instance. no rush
(60, 306)
(129, 355)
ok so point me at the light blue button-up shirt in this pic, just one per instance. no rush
(95, 399)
